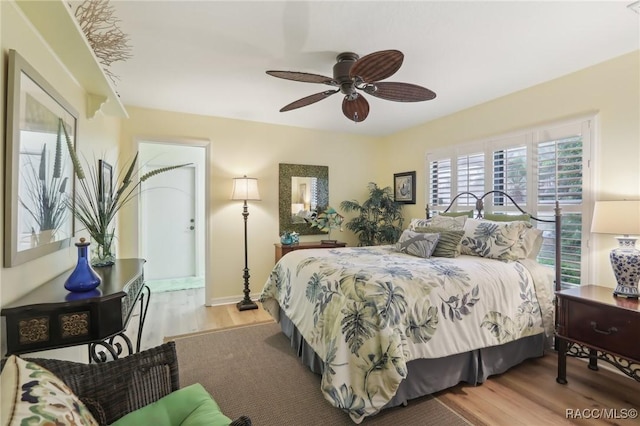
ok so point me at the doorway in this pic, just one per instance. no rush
(172, 216)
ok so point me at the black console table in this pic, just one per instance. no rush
(50, 317)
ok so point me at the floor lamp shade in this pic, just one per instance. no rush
(621, 218)
(245, 189)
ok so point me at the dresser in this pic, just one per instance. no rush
(282, 249)
(594, 324)
(51, 317)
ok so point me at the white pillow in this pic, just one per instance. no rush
(34, 395)
(533, 240)
(495, 240)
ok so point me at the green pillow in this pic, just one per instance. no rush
(456, 214)
(448, 243)
(507, 217)
(189, 406)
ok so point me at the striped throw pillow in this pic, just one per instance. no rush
(448, 243)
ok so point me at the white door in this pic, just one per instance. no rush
(169, 225)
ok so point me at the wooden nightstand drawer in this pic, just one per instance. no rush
(603, 327)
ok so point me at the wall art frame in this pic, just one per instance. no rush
(39, 179)
(105, 182)
(404, 187)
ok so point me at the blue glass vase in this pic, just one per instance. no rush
(83, 278)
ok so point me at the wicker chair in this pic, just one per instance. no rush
(112, 389)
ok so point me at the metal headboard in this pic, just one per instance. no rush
(557, 220)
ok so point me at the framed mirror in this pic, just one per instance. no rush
(304, 191)
(38, 170)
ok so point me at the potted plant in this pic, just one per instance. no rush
(379, 219)
(97, 213)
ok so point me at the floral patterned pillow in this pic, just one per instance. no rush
(495, 240)
(33, 395)
(415, 223)
(449, 222)
(417, 244)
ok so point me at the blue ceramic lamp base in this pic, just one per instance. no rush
(625, 261)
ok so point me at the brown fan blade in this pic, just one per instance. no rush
(308, 100)
(303, 77)
(355, 109)
(399, 92)
(377, 66)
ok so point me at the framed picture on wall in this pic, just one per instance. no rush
(105, 182)
(404, 187)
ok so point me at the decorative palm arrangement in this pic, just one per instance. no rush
(379, 219)
(46, 193)
(97, 212)
(327, 220)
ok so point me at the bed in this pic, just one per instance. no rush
(383, 325)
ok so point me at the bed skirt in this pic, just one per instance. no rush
(427, 376)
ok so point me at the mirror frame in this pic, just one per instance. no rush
(286, 172)
(18, 68)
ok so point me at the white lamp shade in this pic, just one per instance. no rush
(616, 217)
(245, 188)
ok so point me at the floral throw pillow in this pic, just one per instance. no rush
(415, 222)
(417, 244)
(495, 240)
(32, 395)
(449, 222)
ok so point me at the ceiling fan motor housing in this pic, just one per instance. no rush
(341, 70)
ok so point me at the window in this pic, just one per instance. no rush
(535, 167)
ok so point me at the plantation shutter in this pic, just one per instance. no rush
(470, 174)
(560, 167)
(440, 182)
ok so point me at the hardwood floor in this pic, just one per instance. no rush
(525, 395)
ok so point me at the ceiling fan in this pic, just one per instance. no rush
(352, 73)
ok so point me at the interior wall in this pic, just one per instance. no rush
(94, 136)
(242, 147)
(611, 89)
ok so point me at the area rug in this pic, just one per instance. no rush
(253, 371)
(175, 284)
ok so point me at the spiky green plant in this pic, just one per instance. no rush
(46, 190)
(96, 214)
(379, 219)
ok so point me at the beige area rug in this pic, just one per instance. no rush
(253, 371)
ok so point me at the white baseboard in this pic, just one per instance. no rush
(217, 301)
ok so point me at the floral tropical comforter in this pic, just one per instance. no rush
(367, 311)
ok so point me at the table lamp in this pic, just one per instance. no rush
(621, 218)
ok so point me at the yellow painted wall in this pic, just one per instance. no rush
(612, 89)
(242, 147)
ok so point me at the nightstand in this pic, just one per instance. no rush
(594, 324)
(282, 249)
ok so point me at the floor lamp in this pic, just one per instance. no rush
(245, 189)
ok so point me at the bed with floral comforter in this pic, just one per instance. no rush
(368, 311)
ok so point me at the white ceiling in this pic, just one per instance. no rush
(210, 57)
